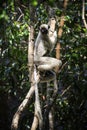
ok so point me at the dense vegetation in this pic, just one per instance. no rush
(71, 103)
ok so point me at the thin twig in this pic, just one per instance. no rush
(66, 90)
(22, 14)
(62, 67)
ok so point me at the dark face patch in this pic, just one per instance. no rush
(44, 30)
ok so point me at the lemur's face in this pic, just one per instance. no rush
(44, 28)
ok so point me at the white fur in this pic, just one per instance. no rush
(43, 47)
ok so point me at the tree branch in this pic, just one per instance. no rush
(60, 31)
(38, 113)
(83, 13)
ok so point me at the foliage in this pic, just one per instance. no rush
(71, 104)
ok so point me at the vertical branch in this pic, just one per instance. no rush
(31, 53)
(51, 107)
(38, 113)
(48, 114)
(51, 115)
(35, 120)
(60, 31)
(32, 69)
(35, 79)
(51, 120)
(83, 13)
